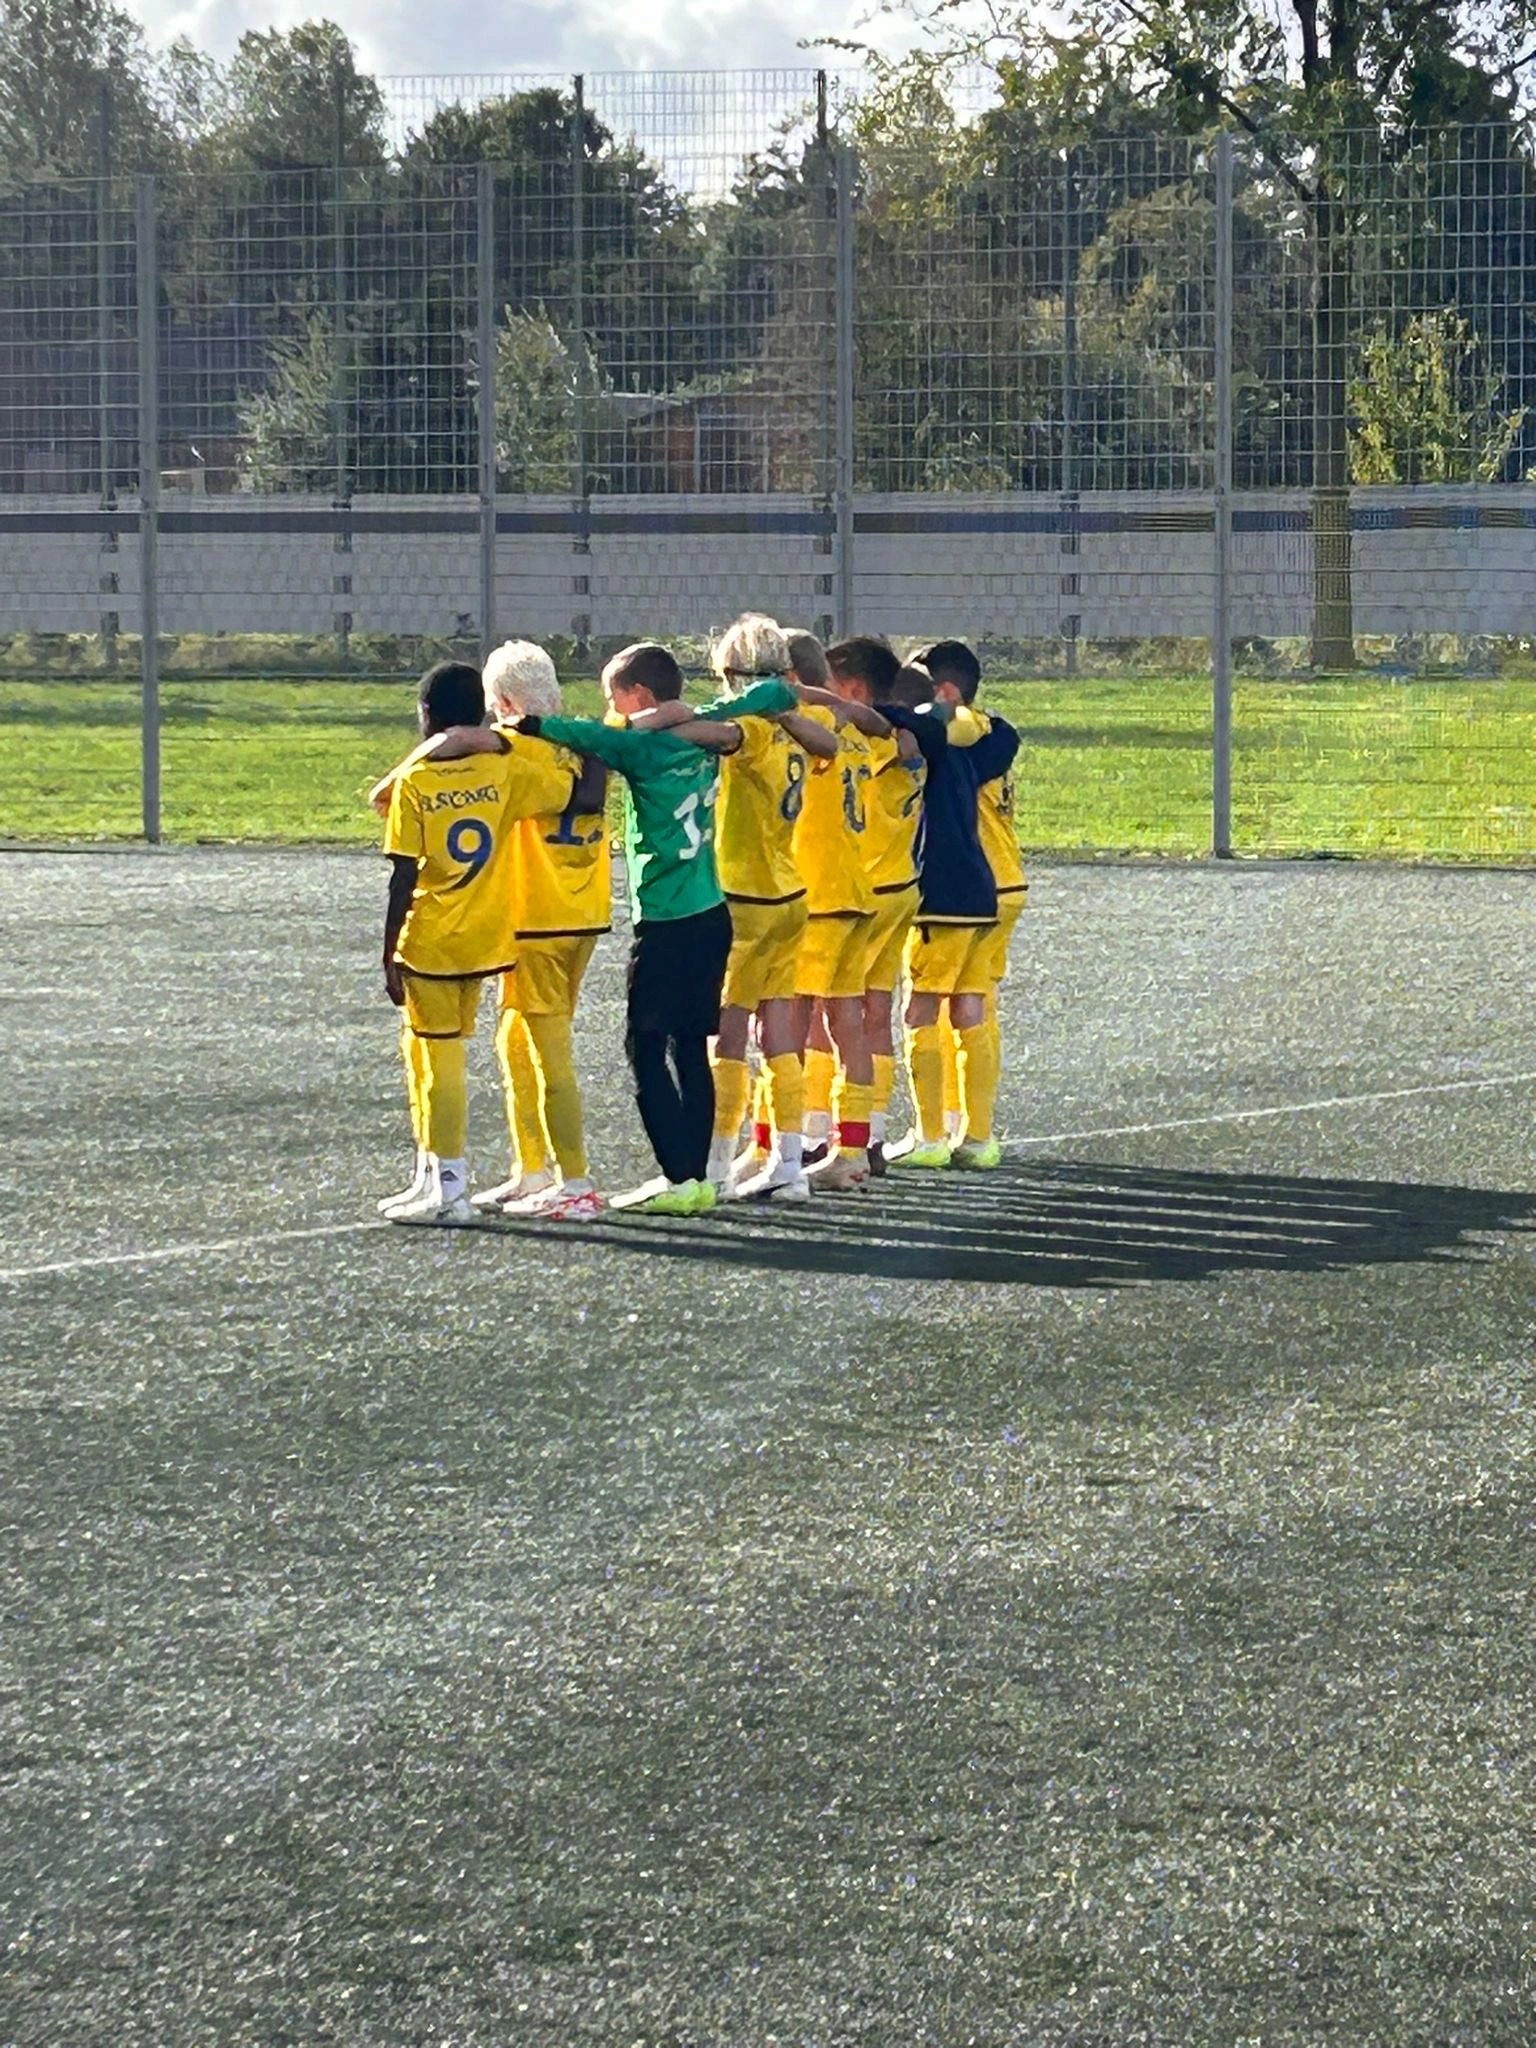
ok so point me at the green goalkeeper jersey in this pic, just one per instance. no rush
(669, 814)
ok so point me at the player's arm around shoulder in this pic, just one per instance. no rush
(809, 733)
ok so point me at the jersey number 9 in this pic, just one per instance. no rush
(469, 843)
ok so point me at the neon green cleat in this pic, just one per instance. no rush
(985, 1153)
(934, 1153)
(705, 1197)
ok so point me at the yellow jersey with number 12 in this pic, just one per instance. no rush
(458, 820)
(829, 835)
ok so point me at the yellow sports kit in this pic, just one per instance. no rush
(458, 821)
(894, 813)
(828, 850)
(950, 959)
(762, 793)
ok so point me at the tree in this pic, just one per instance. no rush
(1425, 406)
(79, 86)
(1330, 93)
(294, 99)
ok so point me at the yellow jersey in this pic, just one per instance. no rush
(762, 793)
(563, 876)
(829, 833)
(458, 820)
(994, 808)
(895, 812)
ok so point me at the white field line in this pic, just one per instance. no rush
(1244, 1116)
(14, 1275)
(187, 1251)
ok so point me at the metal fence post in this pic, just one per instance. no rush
(485, 279)
(340, 363)
(843, 572)
(582, 546)
(148, 294)
(1071, 524)
(1221, 619)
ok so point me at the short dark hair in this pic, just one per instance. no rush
(451, 693)
(809, 658)
(951, 661)
(909, 687)
(864, 659)
(648, 666)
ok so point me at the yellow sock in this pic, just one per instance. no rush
(412, 1054)
(786, 1093)
(978, 1081)
(733, 1091)
(885, 1083)
(520, 1084)
(820, 1073)
(561, 1098)
(925, 1070)
(994, 1025)
(853, 1101)
(445, 1097)
(949, 1052)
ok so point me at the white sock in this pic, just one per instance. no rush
(580, 1186)
(791, 1148)
(452, 1179)
(951, 1123)
(877, 1127)
(818, 1125)
(721, 1152)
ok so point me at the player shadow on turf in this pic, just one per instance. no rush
(1065, 1223)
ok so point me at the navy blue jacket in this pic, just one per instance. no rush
(955, 876)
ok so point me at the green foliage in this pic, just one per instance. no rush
(539, 381)
(288, 423)
(1425, 405)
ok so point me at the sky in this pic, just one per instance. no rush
(407, 36)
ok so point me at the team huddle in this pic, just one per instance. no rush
(835, 826)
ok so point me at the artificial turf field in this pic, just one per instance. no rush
(1354, 765)
(1085, 1604)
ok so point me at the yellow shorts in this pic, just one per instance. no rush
(950, 959)
(833, 954)
(547, 978)
(765, 945)
(888, 939)
(442, 1009)
(1010, 909)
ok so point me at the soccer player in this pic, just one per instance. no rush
(562, 880)
(862, 671)
(451, 919)
(956, 676)
(682, 934)
(948, 949)
(830, 976)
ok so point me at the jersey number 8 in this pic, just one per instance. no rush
(792, 802)
(469, 843)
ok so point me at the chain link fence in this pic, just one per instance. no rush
(1173, 425)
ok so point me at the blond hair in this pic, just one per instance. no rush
(519, 676)
(753, 646)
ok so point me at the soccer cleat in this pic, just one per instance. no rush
(745, 1166)
(705, 1198)
(429, 1210)
(814, 1155)
(980, 1153)
(777, 1180)
(663, 1197)
(922, 1152)
(521, 1188)
(877, 1166)
(845, 1173)
(413, 1193)
(571, 1202)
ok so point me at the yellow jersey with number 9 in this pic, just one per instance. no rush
(458, 821)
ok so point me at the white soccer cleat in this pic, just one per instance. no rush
(431, 1211)
(417, 1188)
(521, 1188)
(572, 1201)
(845, 1173)
(745, 1166)
(777, 1180)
